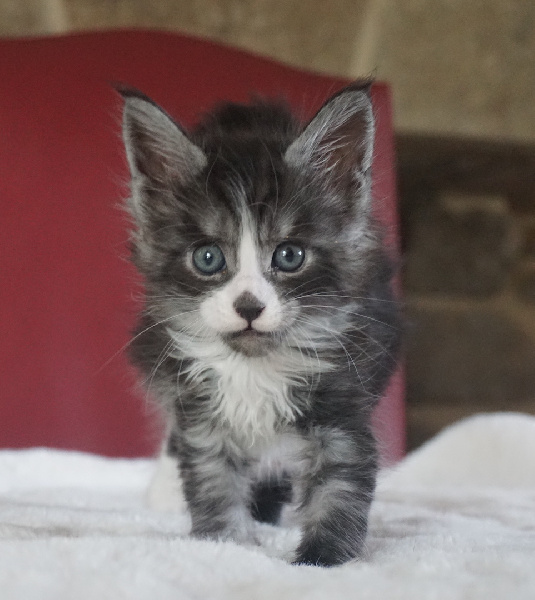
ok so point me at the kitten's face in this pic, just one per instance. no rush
(248, 273)
(247, 310)
(247, 233)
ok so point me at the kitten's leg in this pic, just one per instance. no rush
(165, 489)
(216, 486)
(336, 496)
(268, 499)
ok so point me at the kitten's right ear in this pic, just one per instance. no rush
(156, 147)
(338, 141)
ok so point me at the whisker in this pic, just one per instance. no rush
(162, 357)
(348, 339)
(125, 346)
(339, 295)
(350, 312)
(293, 290)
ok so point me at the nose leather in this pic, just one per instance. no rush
(248, 306)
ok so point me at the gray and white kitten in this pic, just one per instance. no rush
(270, 328)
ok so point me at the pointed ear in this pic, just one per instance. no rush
(156, 147)
(338, 141)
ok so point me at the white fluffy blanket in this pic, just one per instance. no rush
(456, 519)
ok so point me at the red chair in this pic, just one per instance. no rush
(66, 287)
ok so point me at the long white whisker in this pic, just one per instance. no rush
(347, 338)
(164, 354)
(125, 346)
(347, 311)
(339, 295)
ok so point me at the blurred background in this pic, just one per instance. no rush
(463, 82)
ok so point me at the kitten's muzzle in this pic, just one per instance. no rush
(249, 340)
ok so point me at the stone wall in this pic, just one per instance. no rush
(313, 34)
(456, 67)
(469, 279)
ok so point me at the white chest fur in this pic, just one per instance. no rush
(253, 394)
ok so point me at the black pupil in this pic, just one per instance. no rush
(288, 254)
(208, 258)
(288, 257)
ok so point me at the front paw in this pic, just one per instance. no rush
(326, 553)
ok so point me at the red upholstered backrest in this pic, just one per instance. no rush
(66, 287)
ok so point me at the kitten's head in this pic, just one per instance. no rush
(252, 231)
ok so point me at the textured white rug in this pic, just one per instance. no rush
(455, 520)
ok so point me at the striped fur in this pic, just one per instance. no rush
(268, 376)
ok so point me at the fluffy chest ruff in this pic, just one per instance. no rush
(254, 397)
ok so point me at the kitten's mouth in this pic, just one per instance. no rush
(248, 332)
(250, 342)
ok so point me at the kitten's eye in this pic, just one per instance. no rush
(288, 257)
(209, 259)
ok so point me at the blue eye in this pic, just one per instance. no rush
(209, 259)
(288, 257)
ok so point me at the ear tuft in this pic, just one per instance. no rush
(338, 142)
(156, 147)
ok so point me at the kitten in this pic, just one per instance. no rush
(270, 328)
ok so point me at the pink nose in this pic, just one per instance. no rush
(248, 306)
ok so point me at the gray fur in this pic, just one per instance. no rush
(268, 378)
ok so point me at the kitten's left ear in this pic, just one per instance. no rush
(338, 141)
(156, 147)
